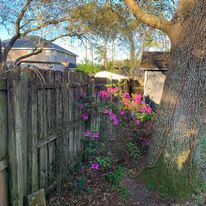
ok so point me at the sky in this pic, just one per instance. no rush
(74, 46)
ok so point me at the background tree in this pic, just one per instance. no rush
(31, 17)
(180, 124)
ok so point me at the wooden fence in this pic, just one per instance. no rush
(40, 124)
(40, 129)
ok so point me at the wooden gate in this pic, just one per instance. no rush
(45, 127)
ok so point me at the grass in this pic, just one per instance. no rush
(171, 183)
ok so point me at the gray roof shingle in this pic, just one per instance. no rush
(32, 42)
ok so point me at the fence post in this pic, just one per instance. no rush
(3, 146)
(17, 136)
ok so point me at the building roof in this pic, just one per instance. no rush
(155, 61)
(30, 42)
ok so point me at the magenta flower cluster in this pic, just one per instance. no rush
(95, 166)
(87, 133)
(85, 115)
(112, 116)
(92, 134)
(104, 95)
(112, 89)
(145, 141)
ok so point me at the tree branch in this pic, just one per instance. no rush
(45, 24)
(17, 35)
(151, 20)
(21, 15)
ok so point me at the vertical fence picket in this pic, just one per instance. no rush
(3, 148)
(17, 138)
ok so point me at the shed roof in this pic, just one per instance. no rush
(155, 61)
(30, 42)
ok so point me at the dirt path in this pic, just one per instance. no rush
(141, 196)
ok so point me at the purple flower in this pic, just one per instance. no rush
(81, 106)
(145, 141)
(83, 95)
(126, 96)
(86, 133)
(148, 109)
(95, 166)
(113, 117)
(137, 122)
(116, 122)
(104, 95)
(95, 135)
(122, 112)
(85, 116)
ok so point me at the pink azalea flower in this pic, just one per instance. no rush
(95, 135)
(81, 106)
(126, 96)
(112, 116)
(137, 122)
(137, 98)
(104, 95)
(122, 112)
(145, 141)
(112, 90)
(116, 122)
(141, 109)
(86, 133)
(95, 166)
(83, 95)
(143, 104)
(85, 116)
(148, 109)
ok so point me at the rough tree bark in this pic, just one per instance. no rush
(181, 120)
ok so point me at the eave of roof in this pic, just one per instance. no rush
(70, 53)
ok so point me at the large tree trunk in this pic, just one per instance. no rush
(180, 124)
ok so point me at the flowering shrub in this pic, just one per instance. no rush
(127, 112)
(92, 140)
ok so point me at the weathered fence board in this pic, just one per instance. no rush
(17, 139)
(32, 127)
